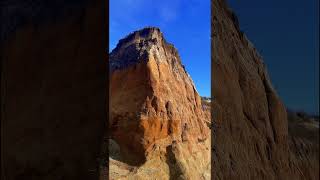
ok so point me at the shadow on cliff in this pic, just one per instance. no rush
(53, 89)
(174, 170)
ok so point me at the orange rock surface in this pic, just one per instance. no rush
(154, 104)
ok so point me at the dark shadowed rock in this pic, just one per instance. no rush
(53, 90)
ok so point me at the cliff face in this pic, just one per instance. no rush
(304, 143)
(53, 90)
(156, 113)
(250, 123)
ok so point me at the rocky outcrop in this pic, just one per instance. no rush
(250, 125)
(206, 107)
(156, 113)
(304, 143)
(53, 89)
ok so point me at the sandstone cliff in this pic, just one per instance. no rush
(157, 120)
(250, 125)
(53, 89)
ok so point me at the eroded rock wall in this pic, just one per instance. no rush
(156, 112)
(53, 90)
(250, 134)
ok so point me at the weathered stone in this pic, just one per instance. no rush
(250, 125)
(156, 113)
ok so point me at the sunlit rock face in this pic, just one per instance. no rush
(156, 113)
(251, 139)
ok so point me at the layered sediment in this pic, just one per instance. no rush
(157, 118)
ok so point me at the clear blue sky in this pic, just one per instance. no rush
(286, 32)
(185, 23)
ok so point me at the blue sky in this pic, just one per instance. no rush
(286, 33)
(184, 23)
